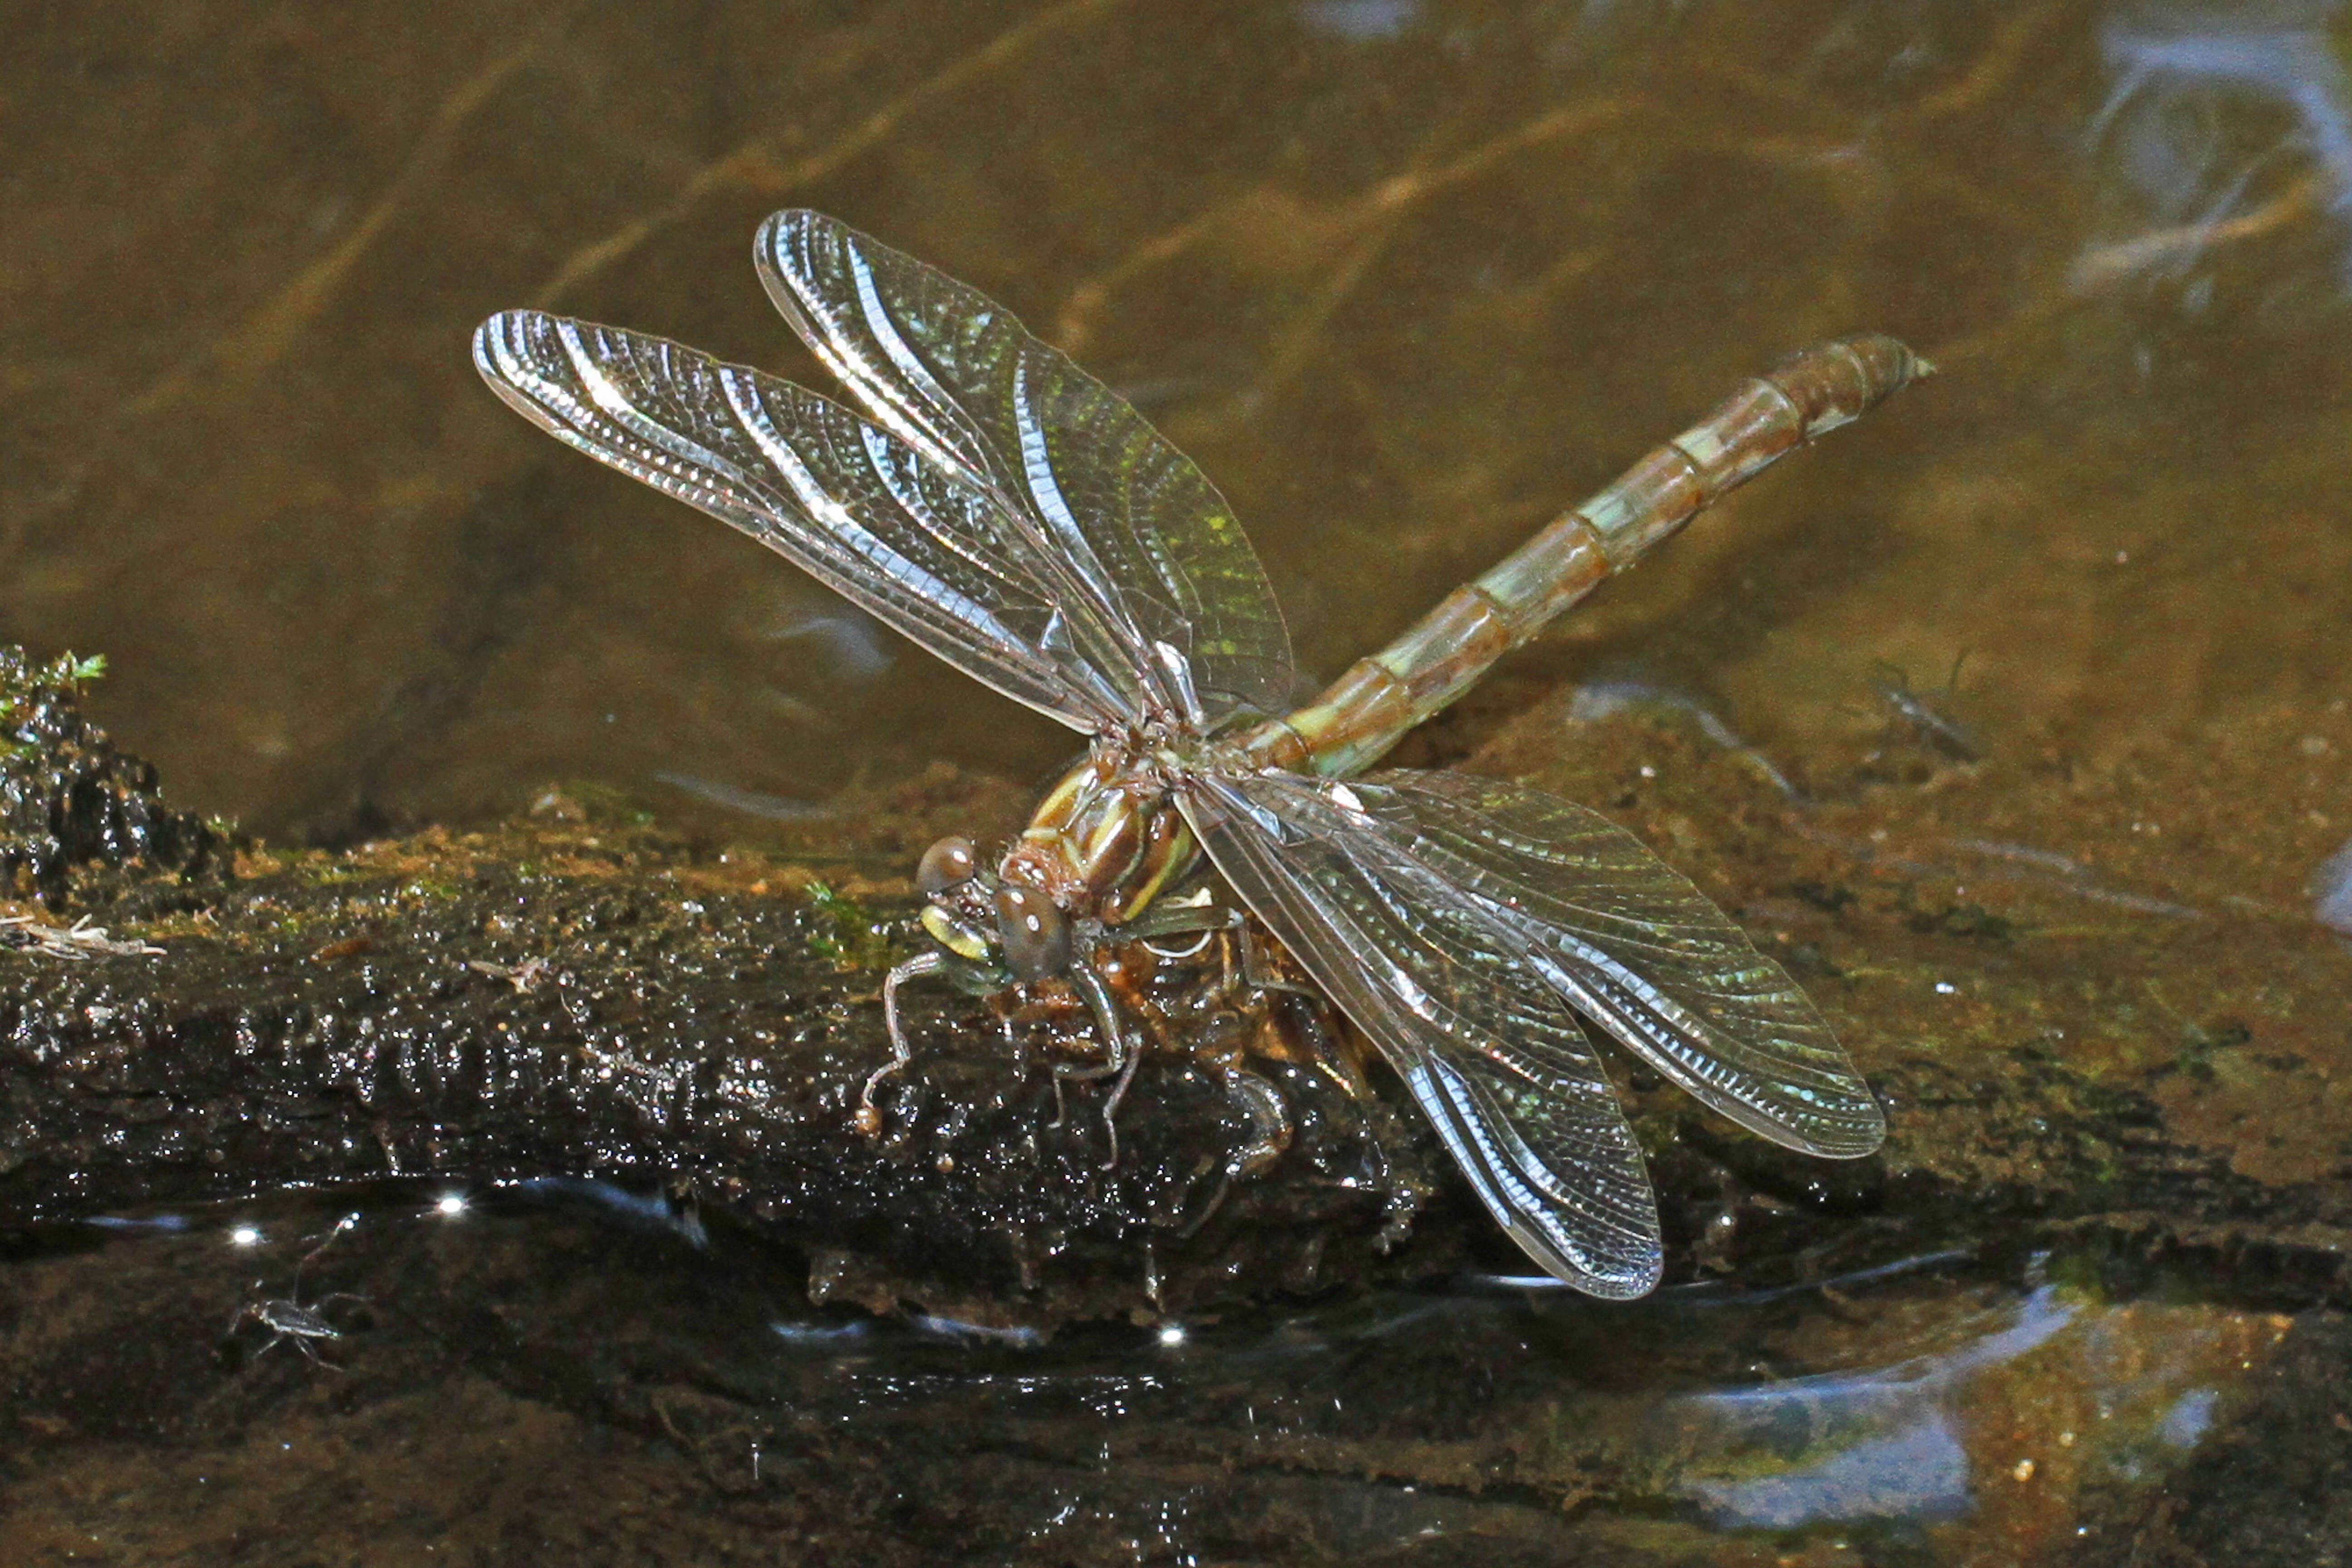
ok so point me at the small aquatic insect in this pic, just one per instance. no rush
(292, 1321)
(1002, 508)
(1927, 724)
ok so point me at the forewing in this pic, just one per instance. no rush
(1147, 542)
(1494, 1056)
(910, 539)
(1640, 952)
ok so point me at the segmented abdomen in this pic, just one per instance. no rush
(1367, 709)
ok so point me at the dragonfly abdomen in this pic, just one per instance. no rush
(1366, 710)
(1813, 391)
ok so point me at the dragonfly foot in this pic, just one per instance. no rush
(867, 1119)
(1125, 1049)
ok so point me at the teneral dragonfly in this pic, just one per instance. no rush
(1000, 506)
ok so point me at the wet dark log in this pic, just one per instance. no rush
(331, 1023)
(69, 799)
(576, 998)
(580, 1000)
(337, 1028)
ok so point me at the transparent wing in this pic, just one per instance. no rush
(1639, 950)
(1151, 549)
(912, 540)
(1492, 1053)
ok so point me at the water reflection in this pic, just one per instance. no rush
(2191, 1416)
(2023, 1410)
(1916, 1472)
(1908, 1459)
(1931, 1402)
(2331, 892)
(1605, 697)
(2180, 145)
(850, 643)
(748, 801)
(1361, 19)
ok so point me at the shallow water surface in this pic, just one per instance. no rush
(2015, 718)
(579, 1371)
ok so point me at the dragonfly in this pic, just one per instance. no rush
(999, 506)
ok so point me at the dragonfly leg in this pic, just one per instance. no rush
(1164, 920)
(1124, 1052)
(1260, 968)
(1310, 1016)
(1104, 1007)
(1269, 1118)
(868, 1118)
(1110, 1106)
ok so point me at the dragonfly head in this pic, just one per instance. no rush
(988, 921)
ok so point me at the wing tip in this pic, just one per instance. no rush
(1614, 1261)
(491, 337)
(509, 337)
(780, 227)
(1864, 1136)
(514, 364)
(1627, 1284)
(1850, 1132)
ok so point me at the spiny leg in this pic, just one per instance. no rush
(1259, 964)
(868, 1118)
(1123, 1054)
(1245, 965)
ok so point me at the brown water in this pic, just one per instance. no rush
(1407, 277)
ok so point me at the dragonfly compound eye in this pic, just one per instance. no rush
(946, 863)
(1036, 935)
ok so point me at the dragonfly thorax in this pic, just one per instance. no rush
(1103, 842)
